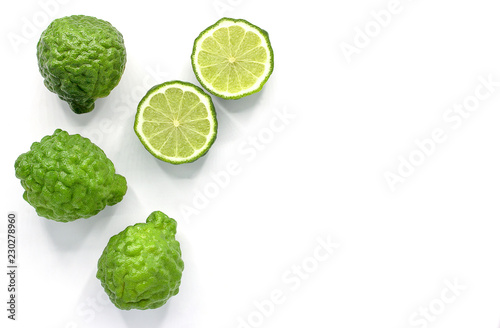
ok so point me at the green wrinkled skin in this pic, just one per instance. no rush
(141, 267)
(67, 177)
(81, 58)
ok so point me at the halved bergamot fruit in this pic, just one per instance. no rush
(232, 58)
(176, 122)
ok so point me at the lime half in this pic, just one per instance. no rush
(232, 58)
(176, 122)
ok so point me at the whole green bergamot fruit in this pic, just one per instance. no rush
(141, 267)
(67, 177)
(81, 58)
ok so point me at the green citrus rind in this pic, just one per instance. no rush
(261, 80)
(204, 98)
(81, 58)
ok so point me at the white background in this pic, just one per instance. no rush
(319, 174)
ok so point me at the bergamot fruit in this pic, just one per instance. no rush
(232, 58)
(67, 177)
(176, 122)
(141, 267)
(81, 58)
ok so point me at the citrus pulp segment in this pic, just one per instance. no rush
(232, 58)
(176, 122)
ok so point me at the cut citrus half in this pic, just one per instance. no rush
(176, 122)
(232, 58)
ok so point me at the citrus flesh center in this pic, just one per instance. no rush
(233, 58)
(176, 122)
